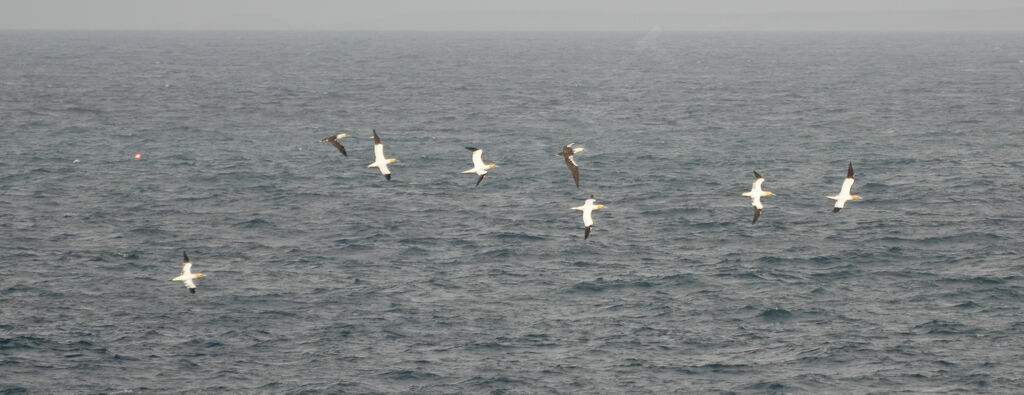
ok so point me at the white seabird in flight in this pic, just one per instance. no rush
(479, 167)
(186, 274)
(588, 207)
(755, 196)
(378, 157)
(844, 193)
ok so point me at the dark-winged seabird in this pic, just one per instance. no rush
(567, 153)
(334, 141)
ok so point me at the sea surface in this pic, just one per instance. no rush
(323, 277)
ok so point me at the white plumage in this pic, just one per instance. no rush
(379, 161)
(187, 276)
(844, 193)
(588, 208)
(479, 167)
(755, 196)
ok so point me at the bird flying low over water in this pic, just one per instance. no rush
(186, 274)
(478, 164)
(588, 207)
(567, 153)
(334, 141)
(378, 157)
(755, 196)
(844, 193)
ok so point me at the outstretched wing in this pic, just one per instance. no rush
(339, 147)
(574, 168)
(480, 179)
(847, 187)
(478, 157)
(757, 214)
(378, 152)
(186, 267)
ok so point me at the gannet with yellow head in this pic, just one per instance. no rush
(844, 193)
(186, 274)
(479, 167)
(755, 196)
(379, 161)
(588, 207)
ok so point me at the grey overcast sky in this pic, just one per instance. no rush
(516, 15)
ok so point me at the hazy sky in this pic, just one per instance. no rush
(557, 15)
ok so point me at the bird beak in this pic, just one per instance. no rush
(199, 275)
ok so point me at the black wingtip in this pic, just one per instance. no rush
(472, 148)
(586, 233)
(480, 179)
(849, 171)
(185, 255)
(387, 177)
(835, 210)
(192, 290)
(757, 175)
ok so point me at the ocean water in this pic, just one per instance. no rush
(320, 276)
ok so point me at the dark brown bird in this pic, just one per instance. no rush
(334, 141)
(567, 152)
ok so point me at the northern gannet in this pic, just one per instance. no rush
(567, 153)
(334, 141)
(588, 207)
(478, 164)
(378, 157)
(186, 274)
(755, 196)
(844, 193)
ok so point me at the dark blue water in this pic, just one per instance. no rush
(323, 277)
